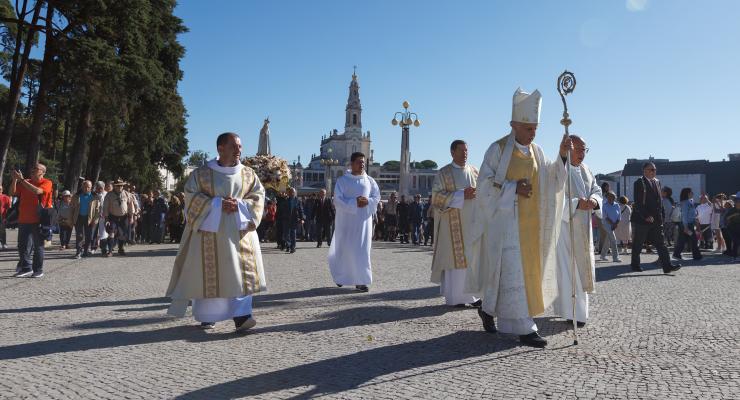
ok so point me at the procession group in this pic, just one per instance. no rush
(508, 238)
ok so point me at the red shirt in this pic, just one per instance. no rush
(28, 208)
(5, 204)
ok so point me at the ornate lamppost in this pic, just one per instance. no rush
(405, 118)
(328, 162)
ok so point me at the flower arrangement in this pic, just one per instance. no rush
(273, 171)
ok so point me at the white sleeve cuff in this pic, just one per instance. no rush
(244, 216)
(458, 199)
(508, 195)
(213, 219)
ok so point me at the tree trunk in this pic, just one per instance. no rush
(42, 105)
(79, 149)
(54, 136)
(16, 84)
(63, 161)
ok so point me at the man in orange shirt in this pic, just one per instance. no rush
(31, 193)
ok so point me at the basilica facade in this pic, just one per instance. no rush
(336, 148)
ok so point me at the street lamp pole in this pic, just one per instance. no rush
(328, 162)
(405, 118)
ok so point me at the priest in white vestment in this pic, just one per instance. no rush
(585, 199)
(453, 192)
(219, 263)
(511, 260)
(356, 197)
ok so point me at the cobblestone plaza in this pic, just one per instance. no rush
(96, 329)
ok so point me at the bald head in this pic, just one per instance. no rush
(579, 150)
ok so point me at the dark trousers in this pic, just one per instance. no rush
(652, 233)
(429, 231)
(726, 234)
(289, 234)
(30, 248)
(323, 232)
(65, 234)
(94, 238)
(83, 235)
(735, 244)
(3, 236)
(279, 228)
(690, 240)
(706, 237)
(416, 232)
(403, 231)
(120, 232)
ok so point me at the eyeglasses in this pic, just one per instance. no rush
(583, 149)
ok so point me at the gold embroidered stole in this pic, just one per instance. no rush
(455, 216)
(247, 255)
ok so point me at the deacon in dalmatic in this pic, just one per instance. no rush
(453, 192)
(519, 200)
(585, 199)
(356, 197)
(219, 263)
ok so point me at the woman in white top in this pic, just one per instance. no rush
(624, 231)
(718, 204)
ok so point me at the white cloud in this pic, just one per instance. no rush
(636, 5)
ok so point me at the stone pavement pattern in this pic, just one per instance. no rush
(96, 329)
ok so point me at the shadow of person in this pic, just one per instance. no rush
(109, 340)
(62, 307)
(359, 316)
(338, 374)
(119, 323)
(279, 299)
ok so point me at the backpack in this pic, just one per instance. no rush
(676, 214)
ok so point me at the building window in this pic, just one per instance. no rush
(354, 119)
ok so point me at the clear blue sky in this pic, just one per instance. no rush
(654, 77)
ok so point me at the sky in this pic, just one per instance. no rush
(654, 78)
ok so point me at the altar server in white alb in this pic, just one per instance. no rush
(585, 199)
(219, 263)
(519, 205)
(356, 197)
(453, 192)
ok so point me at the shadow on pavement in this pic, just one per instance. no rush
(348, 372)
(623, 270)
(119, 323)
(109, 340)
(361, 316)
(268, 300)
(61, 307)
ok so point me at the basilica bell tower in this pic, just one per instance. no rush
(353, 112)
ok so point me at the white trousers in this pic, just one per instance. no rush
(221, 309)
(453, 287)
(563, 305)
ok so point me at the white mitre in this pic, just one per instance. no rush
(526, 107)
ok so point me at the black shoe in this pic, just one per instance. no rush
(243, 323)
(488, 323)
(292, 251)
(318, 245)
(579, 323)
(339, 285)
(636, 269)
(463, 305)
(207, 325)
(672, 268)
(477, 304)
(533, 339)
(362, 288)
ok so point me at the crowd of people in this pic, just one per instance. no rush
(510, 240)
(100, 218)
(686, 226)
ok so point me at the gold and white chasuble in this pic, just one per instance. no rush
(452, 214)
(225, 262)
(511, 257)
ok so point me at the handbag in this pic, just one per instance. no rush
(47, 216)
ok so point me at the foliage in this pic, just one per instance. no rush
(198, 158)
(392, 165)
(112, 87)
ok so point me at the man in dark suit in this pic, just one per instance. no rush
(647, 217)
(324, 215)
(292, 219)
(402, 211)
(416, 217)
